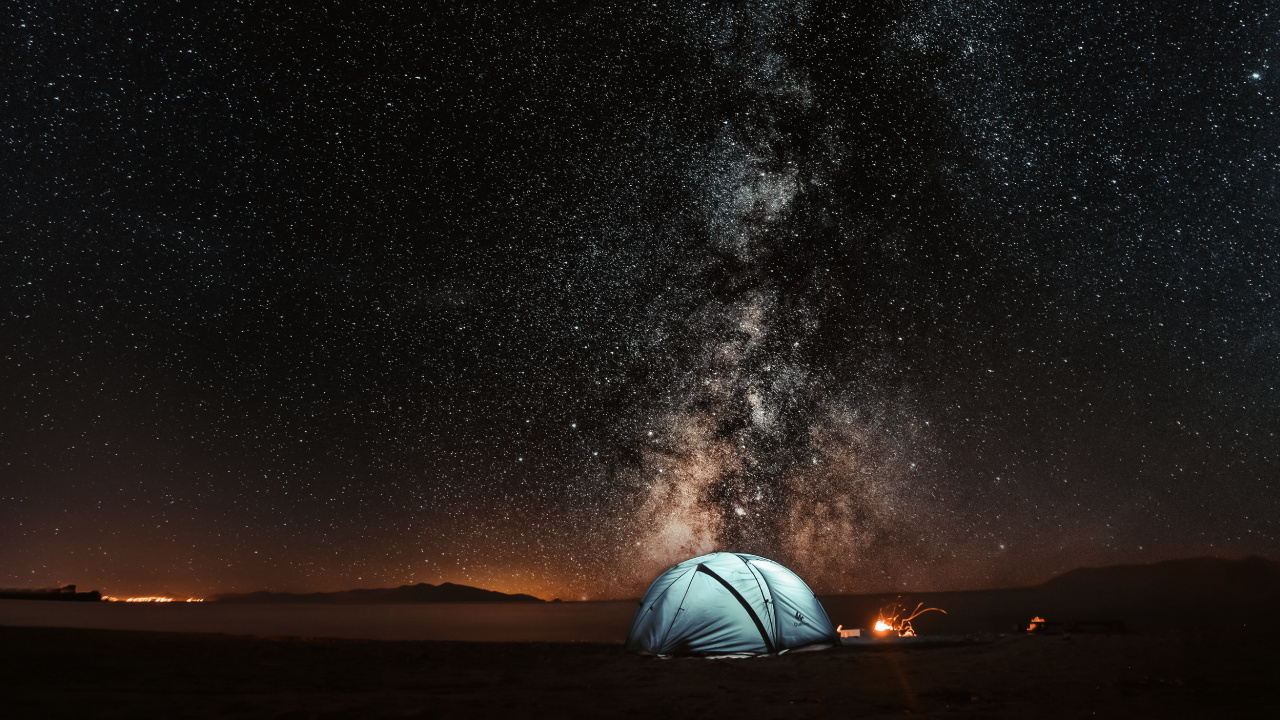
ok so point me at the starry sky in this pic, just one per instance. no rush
(547, 296)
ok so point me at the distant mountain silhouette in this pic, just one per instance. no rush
(1191, 594)
(420, 593)
(1252, 578)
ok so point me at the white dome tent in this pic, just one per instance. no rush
(727, 604)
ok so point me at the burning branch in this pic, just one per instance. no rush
(891, 619)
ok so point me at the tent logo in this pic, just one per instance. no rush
(799, 617)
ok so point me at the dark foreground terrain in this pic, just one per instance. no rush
(57, 672)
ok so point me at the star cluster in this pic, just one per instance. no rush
(548, 296)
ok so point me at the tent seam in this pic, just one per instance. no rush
(768, 642)
(668, 587)
(766, 578)
(662, 645)
(768, 602)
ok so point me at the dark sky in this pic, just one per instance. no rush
(547, 296)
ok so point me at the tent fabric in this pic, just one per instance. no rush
(728, 603)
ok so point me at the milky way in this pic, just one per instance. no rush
(754, 448)
(545, 297)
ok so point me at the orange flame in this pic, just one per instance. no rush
(891, 620)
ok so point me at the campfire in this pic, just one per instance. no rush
(893, 623)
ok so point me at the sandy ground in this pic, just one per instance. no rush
(62, 672)
(605, 622)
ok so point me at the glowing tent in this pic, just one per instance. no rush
(728, 603)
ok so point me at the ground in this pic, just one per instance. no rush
(56, 672)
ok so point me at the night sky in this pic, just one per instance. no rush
(547, 296)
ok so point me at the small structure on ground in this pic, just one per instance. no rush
(67, 592)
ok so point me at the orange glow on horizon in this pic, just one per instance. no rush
(150, 599)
